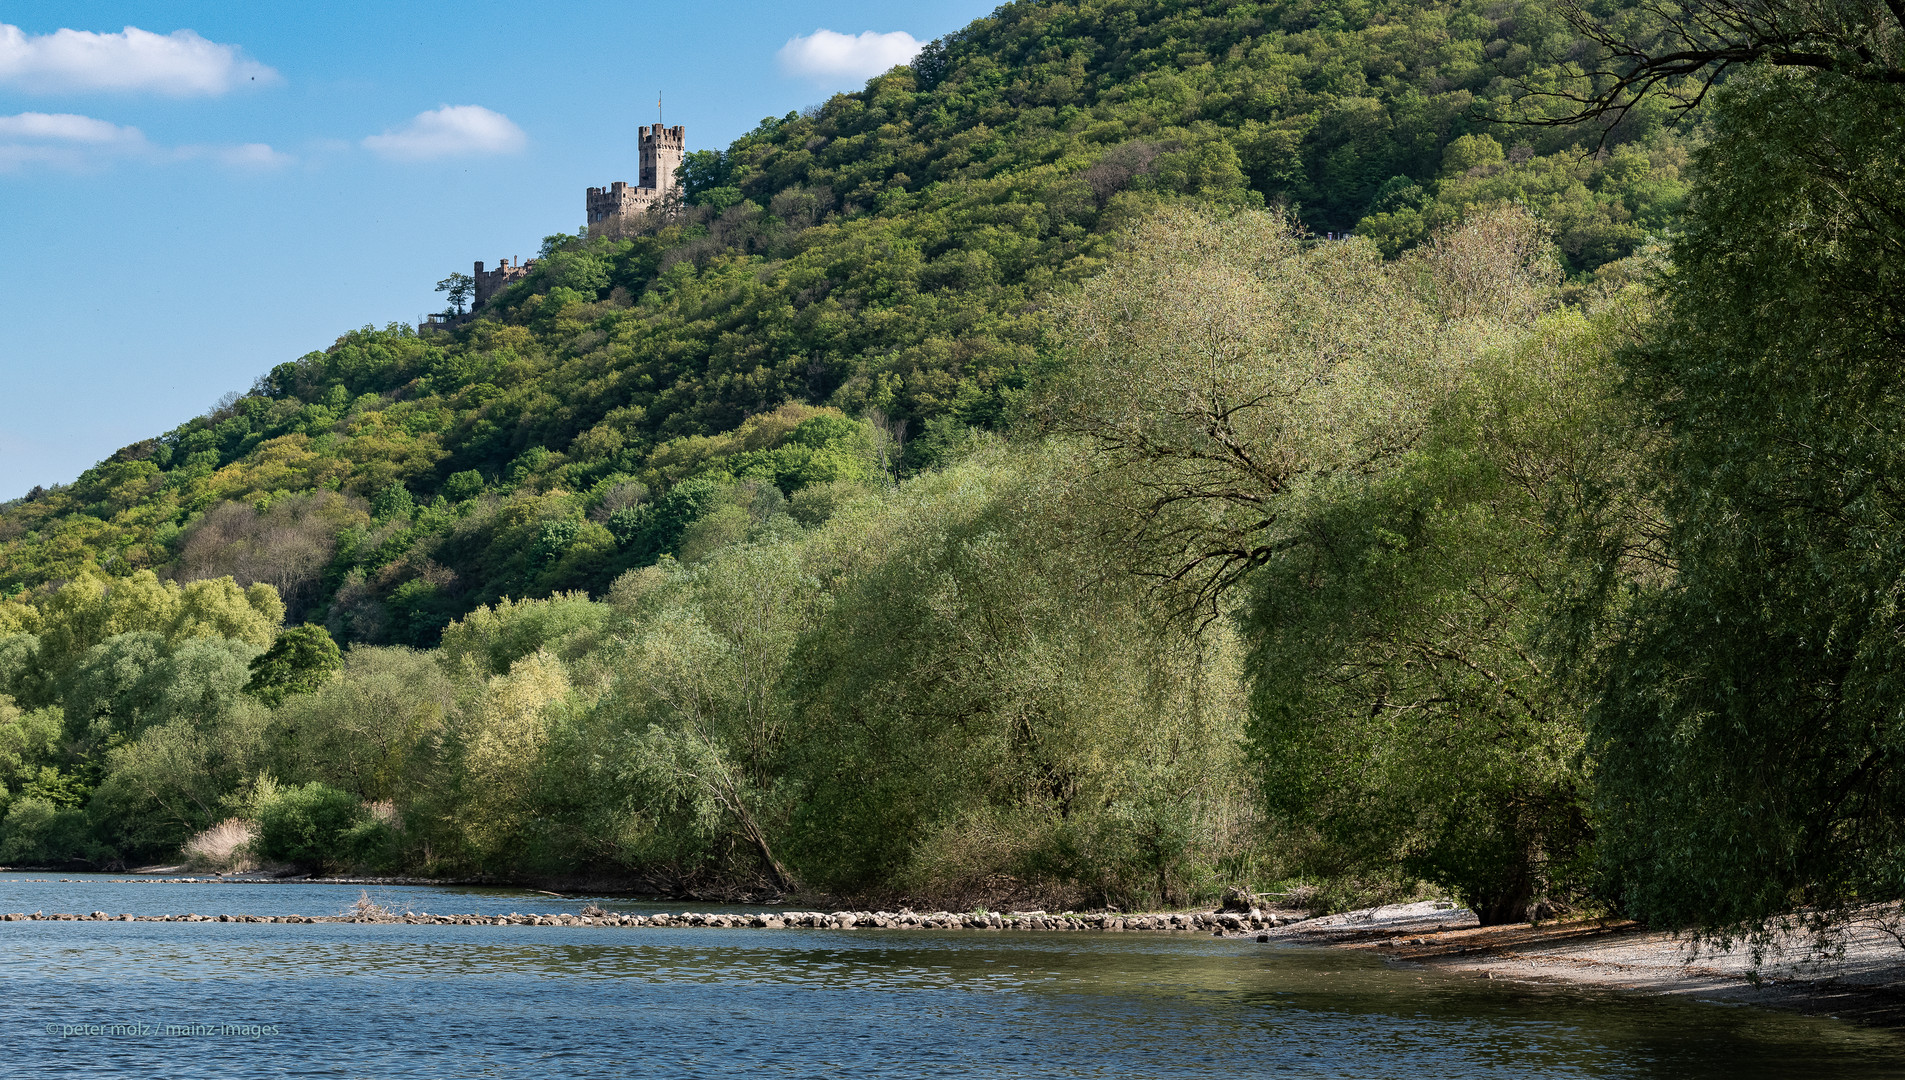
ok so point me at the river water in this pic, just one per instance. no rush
(349, 1000)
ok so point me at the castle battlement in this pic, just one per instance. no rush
(662, 151)
(491, 282)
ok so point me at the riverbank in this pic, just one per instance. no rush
(1861, 975)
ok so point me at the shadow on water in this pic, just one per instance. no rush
(350, 1000)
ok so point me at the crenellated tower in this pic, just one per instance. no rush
(662, 151)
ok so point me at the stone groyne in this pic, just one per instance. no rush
(1209, 922)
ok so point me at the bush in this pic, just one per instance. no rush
(225, 846)
(38, 832)
(371, 844)
(312, 825)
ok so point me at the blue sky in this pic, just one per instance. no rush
(225, 187)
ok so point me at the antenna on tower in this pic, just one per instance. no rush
(658, 106)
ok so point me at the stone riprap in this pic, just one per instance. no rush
(1205, 922)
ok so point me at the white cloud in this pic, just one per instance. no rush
(254, 155)
(63, 141)
(825, 54)
(180, 63)
(73, 142)
(250, 157)
(451, 131)
(67, 128)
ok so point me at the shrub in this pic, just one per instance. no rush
(311, 825)
(225, 846)
(38, 832)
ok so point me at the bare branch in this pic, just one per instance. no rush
(1687, 49)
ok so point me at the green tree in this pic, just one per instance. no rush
(489, 640)
(301, 660)
(369, 730)
(1225, 368)
(980, 700)
(309, 825)
(700, 708)
(39, 832)
(1410, 711)
(178, 777)
(1748, 737)
(457, 290)
(394, 501)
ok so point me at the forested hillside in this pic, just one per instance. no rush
(1140, 447)
(888, 256)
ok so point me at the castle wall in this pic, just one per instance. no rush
(619, 199)
(662, 151)
(491, 282)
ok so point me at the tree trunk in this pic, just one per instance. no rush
(1509, 903)
(783, 880)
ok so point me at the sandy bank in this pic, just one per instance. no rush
(1862, 978)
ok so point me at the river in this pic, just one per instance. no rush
(351, 1000)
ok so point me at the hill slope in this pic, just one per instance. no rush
(850, 290)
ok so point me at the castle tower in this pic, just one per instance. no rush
(662, 151)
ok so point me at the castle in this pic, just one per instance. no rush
(662, 151)
(490, 282)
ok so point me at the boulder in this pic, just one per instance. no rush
(1239, 900)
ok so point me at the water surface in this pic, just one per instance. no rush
(348, 1000)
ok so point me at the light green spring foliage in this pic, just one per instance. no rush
(27, 738)
(1388, 457)
(146, 680)
(1601, 207)
(983, 698)
(494, 749)
(694, 700)
(371, 731)
(89, 610)
(489, 640)
(1226, 367)
(69, 624)
(933, 685)
(1408, 706)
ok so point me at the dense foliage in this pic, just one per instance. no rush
(1136, 447)
(887, 255)
(1753, 747)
